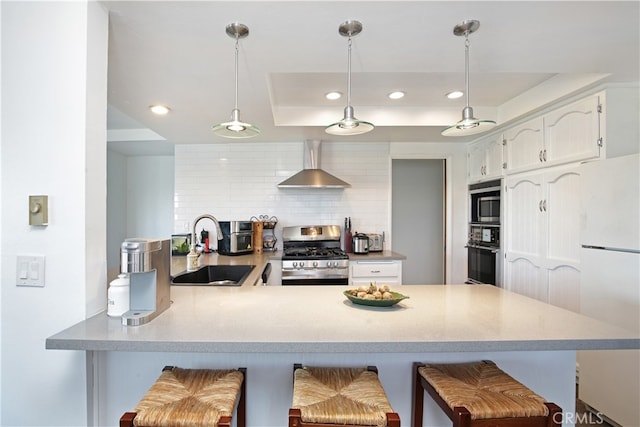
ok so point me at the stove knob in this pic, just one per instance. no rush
(315, 264)
(295, 264)
(301, 264)
(331, 264)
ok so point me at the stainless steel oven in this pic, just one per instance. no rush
(311, 255)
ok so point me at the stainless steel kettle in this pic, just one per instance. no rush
(360, 243)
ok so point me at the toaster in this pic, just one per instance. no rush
(376, 242)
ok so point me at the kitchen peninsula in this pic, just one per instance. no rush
(268, 328)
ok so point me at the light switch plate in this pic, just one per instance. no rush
(30, 270)
(38, 210)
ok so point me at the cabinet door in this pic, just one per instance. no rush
(526, 277)
(562, 210)
(493, 157)
(484, 159)
(542, 239)
(523, 216)
(475, 161)
(572, 133)
(524, 145)
(524, 236)
(562, 248)
(564, 286)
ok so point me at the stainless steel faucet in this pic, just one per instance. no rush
(212, 218)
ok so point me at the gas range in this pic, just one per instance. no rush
(312, 256)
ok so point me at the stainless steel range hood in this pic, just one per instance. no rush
(312, 176)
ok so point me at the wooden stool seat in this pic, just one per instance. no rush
(191, 398)
(342, 396)
(480, 393)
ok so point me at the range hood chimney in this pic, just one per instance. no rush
(312, 176)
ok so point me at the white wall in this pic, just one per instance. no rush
(53, 143)
(239, 180)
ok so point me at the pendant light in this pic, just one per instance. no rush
(469, 125)
(349, 125)
(236, 128)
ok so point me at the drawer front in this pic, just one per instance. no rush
(375, 269)
(391, 281)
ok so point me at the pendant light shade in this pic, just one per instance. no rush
(469, 125)
(236, 128)
(349, 125)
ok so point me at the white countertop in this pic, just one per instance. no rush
(315, 319)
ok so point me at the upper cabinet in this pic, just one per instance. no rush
(565, 135)
(484, 158)
(524, 145)
(568, 134)
(572, 133)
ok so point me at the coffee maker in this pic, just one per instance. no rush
(148, 263)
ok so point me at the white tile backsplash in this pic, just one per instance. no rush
(238, 180)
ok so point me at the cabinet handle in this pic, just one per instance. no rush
(375, 271)
(540, 205)
(544, 154)
(544, 205)
(540, 155)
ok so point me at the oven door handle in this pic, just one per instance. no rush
(484, 248)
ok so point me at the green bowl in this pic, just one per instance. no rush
(397, 297)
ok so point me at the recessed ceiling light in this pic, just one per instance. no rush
(333, 95)
(455, 94)
(396, 95)
(159, 109)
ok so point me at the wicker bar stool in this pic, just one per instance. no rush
(480, 394)
(191, 398)
(326, 397)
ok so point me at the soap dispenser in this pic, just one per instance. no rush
(192, 259)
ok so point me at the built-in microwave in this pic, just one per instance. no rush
(484, 202)
(488, 209)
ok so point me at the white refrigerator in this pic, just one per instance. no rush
(609, 381)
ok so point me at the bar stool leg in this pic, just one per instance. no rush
(555, 415)
(418, 397)
(127, 419)
(461, 417)
(393, 420)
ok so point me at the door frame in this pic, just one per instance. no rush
(448, 202)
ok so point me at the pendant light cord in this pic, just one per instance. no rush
(349, 73)
(236, 97)
(466, 64)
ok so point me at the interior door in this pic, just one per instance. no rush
(417, 213)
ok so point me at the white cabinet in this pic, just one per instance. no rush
(524, 145)
(381, 272)
(572, 133)
(542, 244)
(484, 158)
(565, 135)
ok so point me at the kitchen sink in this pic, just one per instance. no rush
(214, 275)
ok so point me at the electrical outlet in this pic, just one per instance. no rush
(30, 270)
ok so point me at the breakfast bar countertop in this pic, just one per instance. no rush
(320, 319)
